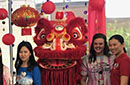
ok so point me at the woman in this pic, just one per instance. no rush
(5, 76)
(121, 68)
(97, 65)
(28, 72)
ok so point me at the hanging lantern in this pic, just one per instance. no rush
(48, 7)
(8, 39)
(97, 4)
(25, 17)
(3, 13)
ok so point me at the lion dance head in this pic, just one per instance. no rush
(60, 46)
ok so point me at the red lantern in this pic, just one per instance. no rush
(97, 4)
(8, 39)
(48, 7)
(3, 13)
(25, 17)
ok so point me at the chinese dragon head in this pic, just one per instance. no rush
(60, 46)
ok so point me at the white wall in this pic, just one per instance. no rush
(3, 30)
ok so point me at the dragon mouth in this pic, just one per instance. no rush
(58, 45)
(56, 64)
(70, 53)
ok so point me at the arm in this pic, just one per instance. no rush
(7, 76)
(124, 80)
(83, 80)
(36, 76)
(84, 71)
(124, 71)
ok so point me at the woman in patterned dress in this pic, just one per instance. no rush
(97, 65)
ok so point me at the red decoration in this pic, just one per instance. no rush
(8, 39)
(97, 4)
(59, 15)
(25, 17)
(69, 15)
(59, 49)
(48, 7)
(26, 31)
(96, 18)
(3, 13)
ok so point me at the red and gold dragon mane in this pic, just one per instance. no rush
(60, 46)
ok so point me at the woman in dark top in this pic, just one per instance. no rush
(28, 72)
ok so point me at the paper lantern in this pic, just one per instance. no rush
(48, 7)
(3, 13)
(97, 4)
(8, 39)
(25, 17)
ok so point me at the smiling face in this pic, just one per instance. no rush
(99, 46)
(24, 54)
(116, 47)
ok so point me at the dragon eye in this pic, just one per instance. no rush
(76, 35)
(42, 36)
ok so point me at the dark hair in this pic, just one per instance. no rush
(119, 38)
(31, 63)
(92, 57)
(1, 69)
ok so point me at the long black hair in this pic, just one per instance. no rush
(31, 63)
(1, 69)
(119, 38)
(92, 56)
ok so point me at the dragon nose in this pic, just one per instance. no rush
(59, 43)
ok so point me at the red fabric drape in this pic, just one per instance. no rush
(96, 22)
(69, 76)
